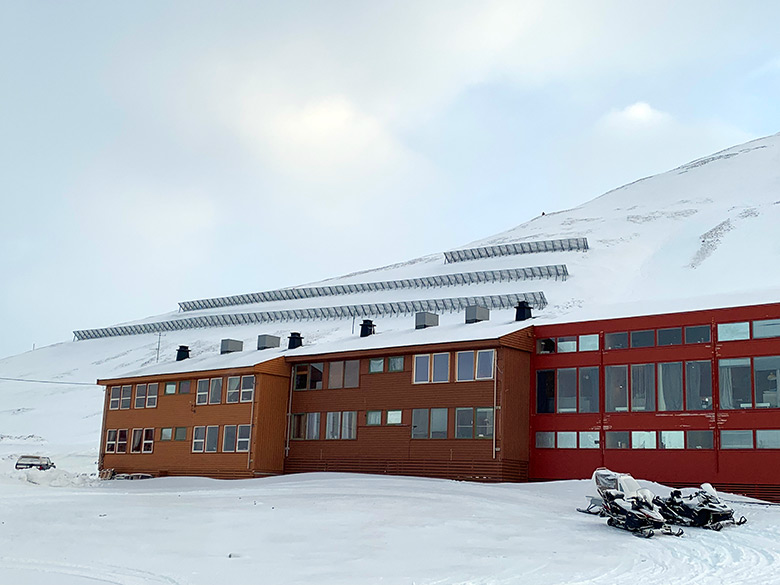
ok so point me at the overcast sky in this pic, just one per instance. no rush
(152, 152)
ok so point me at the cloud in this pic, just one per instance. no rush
(636, 117)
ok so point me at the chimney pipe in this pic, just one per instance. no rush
(522, 311)
(182, 353)
(367, 328)
(295, 340)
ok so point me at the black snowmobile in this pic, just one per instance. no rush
(703, 509)
(626, 505)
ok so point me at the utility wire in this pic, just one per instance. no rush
(47, 382)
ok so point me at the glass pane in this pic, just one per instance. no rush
(589, 390)
(140, 395)
(768, 328)
(698, 385)
(313, 425)
(184, 387)
(301, 377)
(643, 388)
(643, 338)
(766, 371)
(589, 342)
(733, 331)
(203, 392)
(567, 440)
(211, 439)
(465, 365)
(166, 434)
(672, 440)
(170, 387)
(352, 374)
(394, 417)
(615, 340)
(441, 367)
(333, 425)
(376, 365)
(699, 439)
(484, 428)
(419, 423)
(229, 440)
(180, 434)
(348, 425)
(299, 426)
(315, 376)
(545, 391)
(395, 364)
(567, 390)
(438, 423)
(589, 440)
(736, 439)
(616, 439)
(567, 344)
(233, 389)
(697, 334)
(421, 373)
(545, 346)
(670, 336)
(464, 423)
(374, 417)
(247, 388)
(485, 364)
(643, 439)
(545, 440)
(616, 388)
(336, 375)
(768, 439)
(215, 391)
(670, 386)
(734, 377)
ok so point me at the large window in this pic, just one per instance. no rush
(616, 388)
(736, 439)
(431, 368)
(333, 425)
(672, 440)
(111, 441)
(765, 329)
(312, 426)
(734, 377)
(643, 338)
(137, 441)
(588, 390)
(344, 374)
(204, 439)
(733, 331)
(215, 391)
(566, 391)
(698, 385)
(589, 342)
(768, 439)
(212, 436)
(198, 439)
(670, 336)
(202, 395)
(140, 395)
(116, 440)
(247, 388)
(429, 423)
(308, 376)
(643, 439)
(670, 386)
(545, 391)
(616, 340)
(766, 371)
(697, 334)
(642, 387)
(235, 438)
(233, 389)
(465, 427)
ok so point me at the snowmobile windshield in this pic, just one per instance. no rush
(628, 484)
(645, 494)
(710, 491)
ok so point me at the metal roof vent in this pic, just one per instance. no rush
(423, 320)
(268, 341)
(522, 311)
(475, 314)
(367, 328)
(182, 353)
(295, 340)
(230, 346)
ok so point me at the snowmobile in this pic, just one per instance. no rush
(626, 505)
(702, 509)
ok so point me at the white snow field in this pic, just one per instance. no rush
(700, 236)
(346, 529)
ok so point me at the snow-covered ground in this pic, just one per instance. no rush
(340, 529)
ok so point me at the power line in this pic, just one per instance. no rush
(47, 382)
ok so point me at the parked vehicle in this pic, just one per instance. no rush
(34, 462)
(704, 509)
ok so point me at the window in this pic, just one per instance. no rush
(111, 441)
(344, 374)
(567, 440)
(464, 367)
(233, 389)
(215, 391)
(670, 336)
(765, 329)
(736, 439)
(464, 423)
(733, 331)
(484, 428)
(589, 390)
(615, 340)
(202, 396)
(127, 397)
(308, 377)
(184, 387)
(198, 439)
(697, 334)
(672, 440)
(435, 428)
(244, 437)
(642, 388)
(472, 365)
(180, 434)
(438, 423)
(121, 441)
(698, 385)
(589, 440)
(298, 426)
(247, 388)
(485, 358)
(135, 445)
(421, 369)
(148, 445)
(395, 364)
(212, 436)
(333, 425)
(151, 395)
(420, 423)
(374, 418)
(643, 439)
(616, 439)
(545, 346)
(589, 342)
(336, 375)
(734, 376)
(616, 388)
(140, 395)
(166, 434)
(643, 338)
(431, 368)
(545, 440)
(567, 344)
(170, 388)
(312, 426)
(376, 365)
(113, 400)
(349, 425)
(545, 391)
(567, 390)
(394, 417)
(765, 373)
(768, 439)
(699, 439)
(229, 439)
(670, 386)
(441, 367)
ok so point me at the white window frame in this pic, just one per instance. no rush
(492, 375)
(234, 395)
(198, 444)
(140, 433)
(433, 367)
(229, 447)
(427, 379)
(139, 396)
(243, 438)
(202, 396)
(333, 425)
(247, 388)
(111, 443)
(151, 394)
(147, 441)
(113, 397)
(120, 442)
(460, 355)
(212, 384)
(126, 397)
(211, 430)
